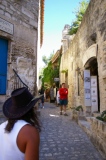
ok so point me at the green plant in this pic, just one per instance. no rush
(79, 13)
(64, 71)
(102, 117)
(78, 108)
(48, 73)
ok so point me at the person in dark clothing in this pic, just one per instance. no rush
(41, 92)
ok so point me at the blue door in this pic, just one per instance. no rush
(3, 65)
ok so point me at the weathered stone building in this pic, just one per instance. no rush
(18, 43)
(84, 58)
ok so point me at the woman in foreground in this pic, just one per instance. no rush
(19, 135)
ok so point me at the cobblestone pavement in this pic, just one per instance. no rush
(62, 138)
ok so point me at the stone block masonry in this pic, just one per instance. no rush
(98, 134)
(19, 9)
(87, 50)
(22, 44)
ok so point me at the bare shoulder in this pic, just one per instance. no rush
(28, 137)
(29, 131)
(29, 128)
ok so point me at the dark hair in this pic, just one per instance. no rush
(30, 117)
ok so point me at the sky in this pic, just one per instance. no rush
(57, 13)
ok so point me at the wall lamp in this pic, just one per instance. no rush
(79, 72)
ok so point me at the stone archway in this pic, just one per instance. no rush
(92, 65)
(90, 52)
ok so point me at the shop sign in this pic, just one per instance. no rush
(56, 79)
(94, 94)
(87, 87)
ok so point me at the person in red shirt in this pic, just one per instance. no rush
(63, 99)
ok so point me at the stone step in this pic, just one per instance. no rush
(96, 114)
(82, 117)
(85, 125)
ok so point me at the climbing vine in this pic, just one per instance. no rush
(79, 15)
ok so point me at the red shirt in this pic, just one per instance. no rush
(63, 93)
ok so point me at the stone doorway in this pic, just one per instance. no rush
(92, 65)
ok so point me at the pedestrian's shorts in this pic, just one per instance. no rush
(63, 101)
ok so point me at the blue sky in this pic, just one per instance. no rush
(57, 13)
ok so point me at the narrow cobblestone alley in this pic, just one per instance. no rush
(62, 138)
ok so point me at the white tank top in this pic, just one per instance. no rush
(8, 145)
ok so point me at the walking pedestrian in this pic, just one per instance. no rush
(42, 93)
(58, 97)
(19, 134)
(54, 93)
(52, 99)
(63, 99)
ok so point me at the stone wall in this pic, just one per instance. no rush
(22, 45)
(97, 134)
(89, 41)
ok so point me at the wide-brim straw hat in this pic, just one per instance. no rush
(20, 102)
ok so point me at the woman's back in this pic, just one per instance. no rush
(8, 141)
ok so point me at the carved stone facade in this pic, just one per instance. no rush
(22, 43)
(86, 51)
